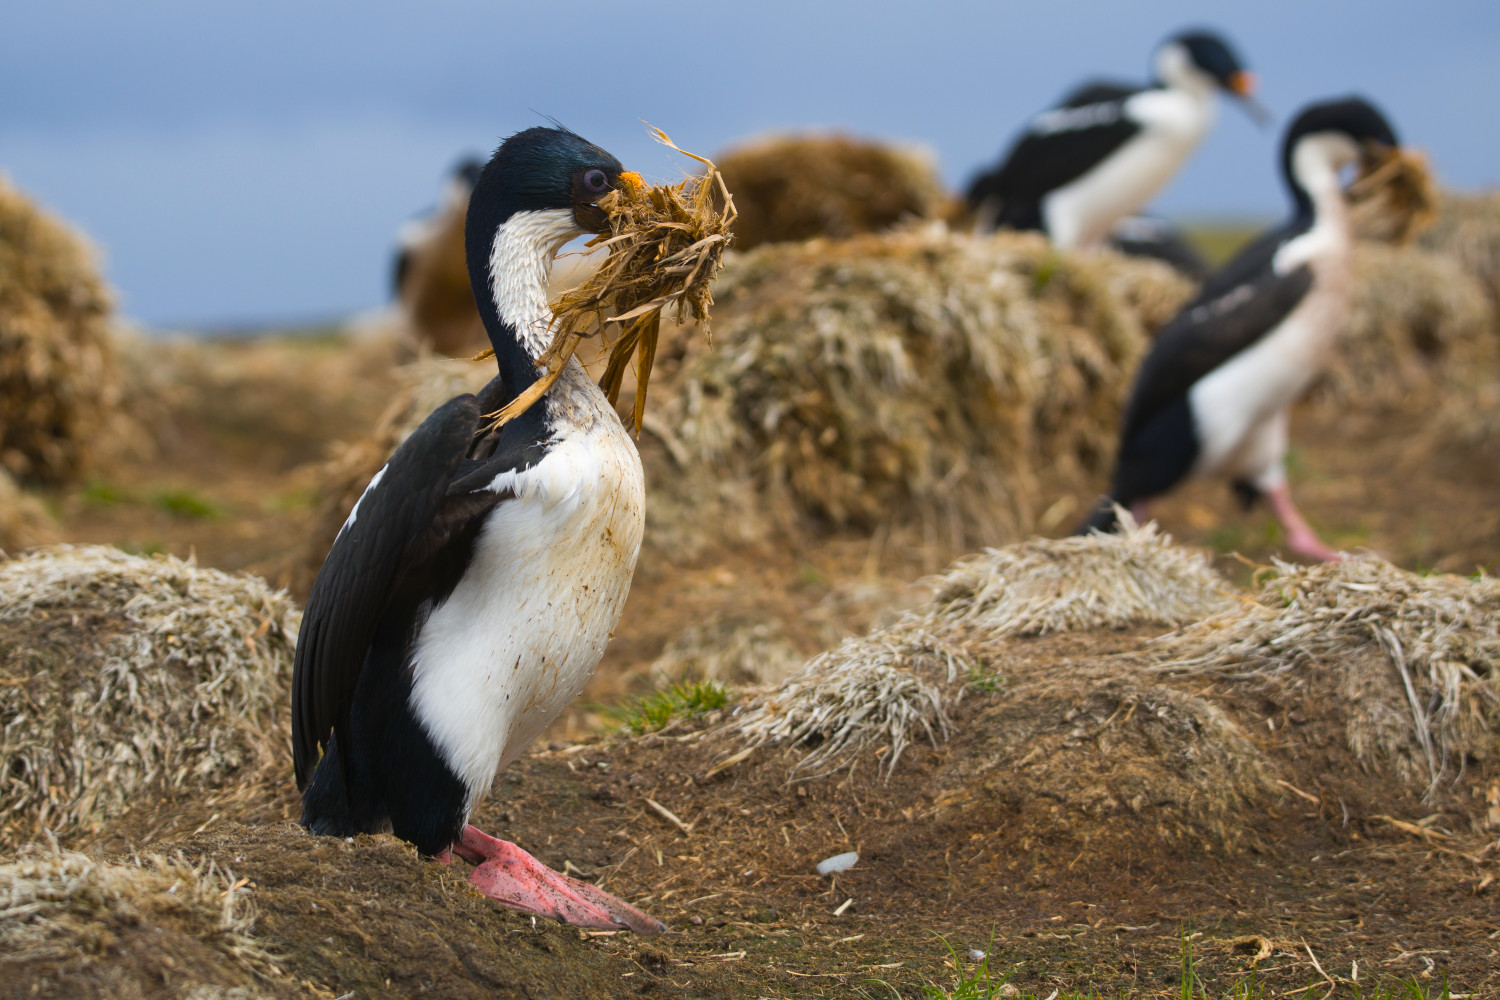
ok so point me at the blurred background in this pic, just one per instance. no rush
(247, 165)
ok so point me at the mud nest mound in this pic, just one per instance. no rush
(876, 695)
(1412, 662)
(58, 384)
(920, 377)
(90, 928)
(25, 521)
(797, 187)
(894, 683)
(1420, 323)
(124, 678)
(1467, 227)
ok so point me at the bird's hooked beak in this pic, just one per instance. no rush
(1242, 84)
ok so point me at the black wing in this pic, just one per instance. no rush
(1061, 145)
(394, 523)
(1237, 305)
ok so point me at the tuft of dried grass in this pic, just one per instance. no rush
(1419, 324)
(1417, 658)
(729, 652)
(666, 244)
(899, 683)
(123, 676)
(25, 521)
(1395, 196)
(920, 377)
(1467, 227)
(58, 383)
(57, 906)
(1084, 582)
(798, 187)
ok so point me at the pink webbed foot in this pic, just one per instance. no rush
(1310, 546)
(513, 878)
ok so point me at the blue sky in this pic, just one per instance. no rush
(249, 163)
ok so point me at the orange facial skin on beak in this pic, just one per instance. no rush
(633, 181)
(1243, 83)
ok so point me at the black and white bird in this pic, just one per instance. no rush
(1106, 149)
(1213, 395)
(472, 590)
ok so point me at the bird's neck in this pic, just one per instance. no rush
(510, 286)
(1313, 175)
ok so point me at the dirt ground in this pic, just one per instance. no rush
(1333, 876)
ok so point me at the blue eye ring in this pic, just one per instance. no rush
(595, 181)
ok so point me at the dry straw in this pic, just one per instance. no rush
(123, 677)
(1395, 196)
(58, 384)
(797, 187)
(899, 683)
(666, 244)
(1416, 658)
(59, 907)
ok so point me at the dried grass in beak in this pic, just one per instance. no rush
(1394, 196)
(666, 245)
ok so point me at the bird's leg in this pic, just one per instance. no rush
(1300, 537)
(1141, 511)
(513, 878)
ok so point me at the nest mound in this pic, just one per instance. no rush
(798, 187)
(25, 521)
(124, 678)
(437, 301)
(1413, 661)
(923, 377)
(89, 928)
(1420, 322)
(898, 682)
(1467, 227)
(58, 384)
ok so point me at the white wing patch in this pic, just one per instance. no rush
(354, 511)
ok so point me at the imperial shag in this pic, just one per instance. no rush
(1107, 149)
(1213, 395)
(471, 592)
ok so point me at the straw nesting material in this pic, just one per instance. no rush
(1395, 196)
(1467, 227)
(136, 923)
(1136, 576)
(1416, 658)
(898, 684)
(1420, 323)
(58, 384)
(123, 676)
(797, 187)
(666, 244)
(25, 521)
(920, 377)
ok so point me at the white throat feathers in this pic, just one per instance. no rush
(1316, 162)
(520, 265)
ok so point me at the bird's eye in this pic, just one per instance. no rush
(596, 182)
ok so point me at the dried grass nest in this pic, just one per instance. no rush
(170, 916)
(797, 187)
(666, 244)
(58, 383)
(898, 684)
(124, 676)
(1395, 196)
(920, 378)
(1414, 660)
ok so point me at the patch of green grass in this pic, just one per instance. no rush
(1219, 241)
(985, 680)
(97, 493)
(655, 711)
(137, 548)
(187, 505)
(303, 498)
